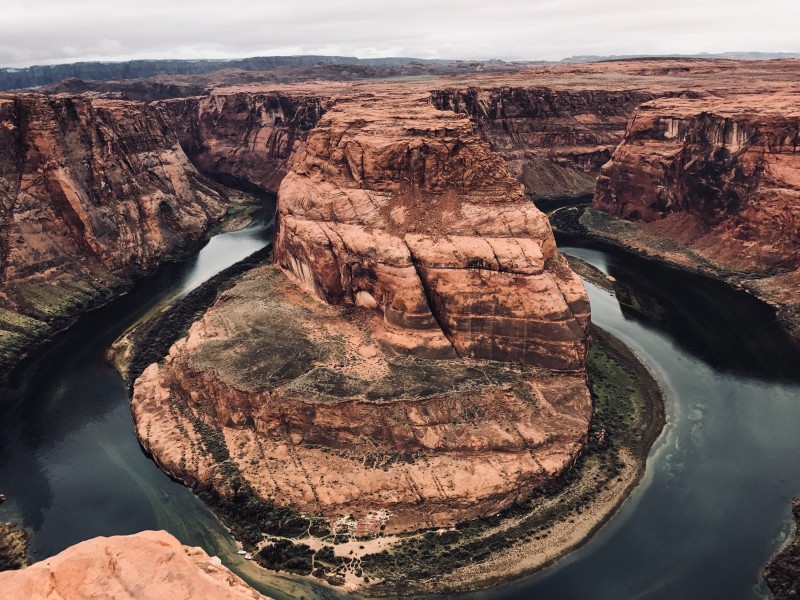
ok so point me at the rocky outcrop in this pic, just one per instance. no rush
(248, 135)
(151, 565)
(554, 141)
(725, 173)
(441, 377)
(404, 209)
(92, 194)
(296, 401)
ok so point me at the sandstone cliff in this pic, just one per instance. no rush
(731, 165)
(151, 565)
(92, 194)
(404, 209)
(249, 135)
(716, 183)
(554, 141)
(442, 375)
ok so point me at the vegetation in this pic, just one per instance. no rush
(154, 338)
(13, 547)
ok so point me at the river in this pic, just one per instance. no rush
(712, 508)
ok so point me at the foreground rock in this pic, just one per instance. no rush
(715, 185)
(92, 194)
(151, 565)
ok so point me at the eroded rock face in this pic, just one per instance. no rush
(422, 364)
(295, 399)
(151, 565)
(249, 135)
(719, 175)
(554, 141)
(92, 193)
(404, 209)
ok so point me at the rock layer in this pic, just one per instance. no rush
(404, 209)
(294, 399)
(553, 141)
(722, 174)
(92, 193)
(151, 565)
(248, 135)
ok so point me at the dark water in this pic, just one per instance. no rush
(70, 463)
(713, 507)
(715, 502)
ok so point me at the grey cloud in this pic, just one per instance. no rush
(46, 31)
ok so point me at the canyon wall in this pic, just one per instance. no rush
(92, 194)
(248, 135)
(151, 565)
(723, 175)
(553, 141)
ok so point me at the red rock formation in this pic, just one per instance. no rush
(243, 134)
(401, 217)
(278, 393)
(719, 175)
(92, 193)
(554, 141)
(404, 209)
(151, 565)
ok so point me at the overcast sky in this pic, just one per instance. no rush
(54, 31)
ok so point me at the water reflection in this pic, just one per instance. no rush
(731, 331)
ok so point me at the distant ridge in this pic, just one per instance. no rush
(38, 75)
(586, 58)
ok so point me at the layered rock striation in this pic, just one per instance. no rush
(554, 141)
(245, 134)
(728, 168)
(402, 208)
(151, 565)
(422, 363)
(92, 193)
(296, 401)
(713, 184)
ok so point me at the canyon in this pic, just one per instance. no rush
(390, 408)
(416, 355)
(93, 193)
(719, 178)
